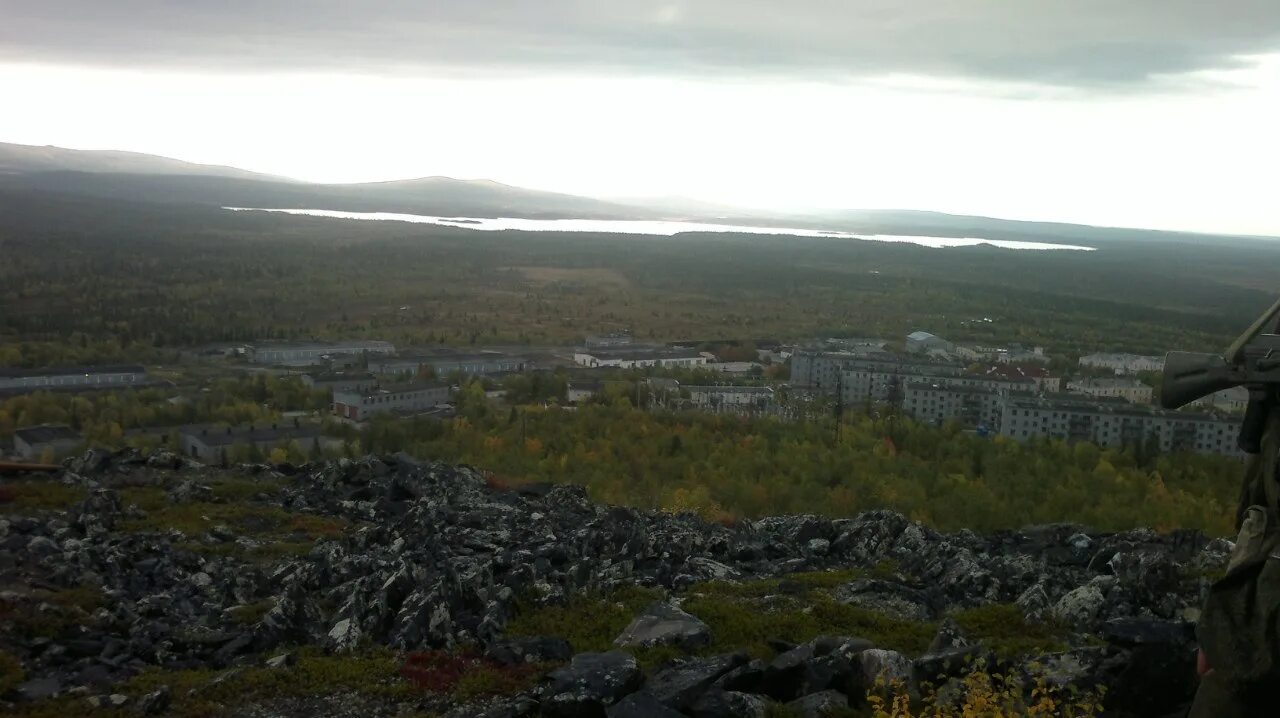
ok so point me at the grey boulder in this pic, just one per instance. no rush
(664, 624)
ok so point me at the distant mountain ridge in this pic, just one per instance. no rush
(24, 159)
(137, 177)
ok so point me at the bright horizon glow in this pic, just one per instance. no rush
(1194, 154)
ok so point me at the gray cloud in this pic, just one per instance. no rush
(1082, 43)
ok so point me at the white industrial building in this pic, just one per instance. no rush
(926, 343)
(714, 397)
(1123, 363)
(640, 358)
(1129, 389)
(302, 354)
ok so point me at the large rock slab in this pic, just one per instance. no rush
(679, 684)
(717, 703)
(536, 649)
(664, 624)
(642, 705)
(819, 705)
(590, 684)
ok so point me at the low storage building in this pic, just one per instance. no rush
(45, 442)
(107, 376)
(214, 444)
(397, 398)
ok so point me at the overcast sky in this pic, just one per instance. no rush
(1153, 113)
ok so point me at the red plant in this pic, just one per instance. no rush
(436, 671)
(442, 672)
(498, 483)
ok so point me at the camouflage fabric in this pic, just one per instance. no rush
(1239, 629)
(1218, 698)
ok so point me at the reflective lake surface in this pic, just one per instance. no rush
(655, 228)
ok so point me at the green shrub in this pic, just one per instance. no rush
(251, 612)
(748, 626)
(29, 496)
(147, 498)
(588, 623)
(44, 613)
(371, 673)
(254, 520)
(11, 673)
(1003, 628)
(241, 490)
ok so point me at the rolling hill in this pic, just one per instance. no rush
(135, 177)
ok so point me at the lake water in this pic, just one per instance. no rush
(655, 228)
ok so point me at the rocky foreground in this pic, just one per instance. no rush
(430, 562)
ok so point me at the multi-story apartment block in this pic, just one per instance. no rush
(1117, 423)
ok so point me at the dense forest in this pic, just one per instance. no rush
(722, 467)
(90, 280)
(726, 468)
(110, 417)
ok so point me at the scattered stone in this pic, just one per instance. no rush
(879, 663)
(1080, 606)
(680, 684)
(936, 667)
(819, 705)
(785, 673)
(345, 635)
(887, 597)
(38, 688)
(284, 660)
(642, 705)
(436, 559)
(154, 703)
(539, 649)
(718, 703)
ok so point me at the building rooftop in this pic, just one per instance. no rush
(444, 355)
(341, 376)
(408, 387)
(731, 389)
(15, 373)
(1110, 383)
(1119, 356)
(1114, 408)
(929, 386)
(46, 433)
(353, 344)
(644, 353)
(1014, 371)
